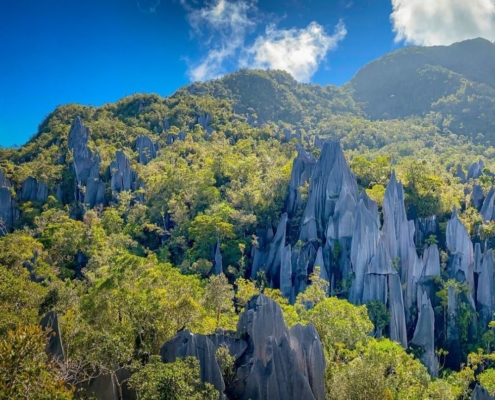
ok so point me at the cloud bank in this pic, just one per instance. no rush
(297, 51)
(442, 22)
(224, 27)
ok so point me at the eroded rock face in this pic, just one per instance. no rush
(95, 189)
(82, 155)
(459, 173)
(476, 170)
(9, 212)
(487, 210)
(217, 261)
(302, 169)
(461, 249)
(480, 393)
(477, 196)
(54, 346)
(424, 335)
(123, 177)
(485, 294)
(146, 149)
(187, 344)
(330, 176)
(32, 190)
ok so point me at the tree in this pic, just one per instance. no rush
(219, 298)
(179, 380)
(25, 370)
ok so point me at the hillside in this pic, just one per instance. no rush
(455, 84)
(252, 237)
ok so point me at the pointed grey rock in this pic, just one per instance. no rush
(187, 344)
(459, 173)
(320, 262)
(54, 346)
(32, 190)
(275, 250)
(302, 169)
(424, 335)
(330, 175)
(146, 149)
(480, 393)
(475, 170)
(286, 272)
(477, 197)
(460, 245)
(487, 210)
(218, 264)
(431, 262)
(123, 177)
(166, 124)
(425, 227)
(485, 294)
(364, 244)
(398, 331)
(478, 257)
(8, 209)
(81, 154)
(4, 182)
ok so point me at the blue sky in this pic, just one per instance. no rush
(54, 52)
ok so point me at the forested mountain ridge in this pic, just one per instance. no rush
(131, 225)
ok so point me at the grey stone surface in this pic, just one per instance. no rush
(477, 196)
(330, 175)
(475, 170)
(431, 262)
(487, 210)
(8, 209)
(32, 190)
(82, 155)
(187, 344)
(54, 346)
(286, 284)
(459, 173)
(485, 295)
(480, 393)
(302, 169)
(123, 177)
(424, 335)
(460, 246)
(217, 261)
(146, 149)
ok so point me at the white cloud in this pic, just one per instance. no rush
(224, 26)
(442, 22)
(297, 51)
(226, 23)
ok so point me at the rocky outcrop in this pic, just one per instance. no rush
(461, 249)
(485, 295)
(480, 393)
(8, 209)
(272, 363)
(146, 149)
(217, 260)
(271, 368)
(82, 156)
(123, 177)
(32, 190)
(476, 170)
(477, 196)
(95, 189)
(187, 344)
(330, 176)
(487, 210)
(54, 347)
(424, 335)
(205, 120)
(459, 173)
(302, 169)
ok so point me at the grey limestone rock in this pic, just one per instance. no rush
(485, 294)
(305, 342)
(424, 334)
(8, 210)
(54, 346)
(146, 149)
(82, 155)
(331, 175)
(217, 261)
(32, 190)
(4, 182)
(487, 210)
(425, 227)
(398, 331)
(95, 189)
(459, 173)
(475, 170)
(431, 262)
(480, 393)
(286, 284)
(187, 344)
(123, 177)
(461, 247)
(103, 387)
(364, 244)
(302, 169)
(477, 197)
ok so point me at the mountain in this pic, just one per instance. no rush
(258, 237)
(455, 83)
